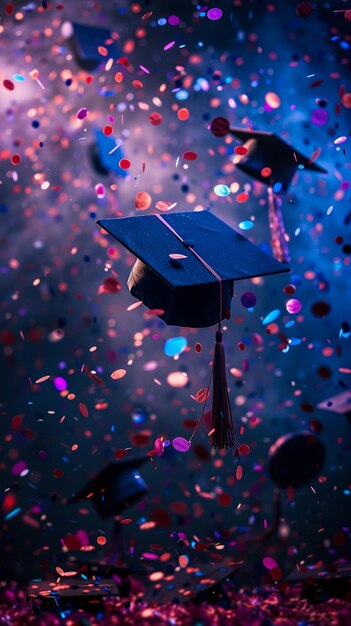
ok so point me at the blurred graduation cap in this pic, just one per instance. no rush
(72, 593)
(85, 40)
(117, 487)
(106, 154)
(323, 581)
(295, 459)
(270, 160)
(340, 403)
(185, 271)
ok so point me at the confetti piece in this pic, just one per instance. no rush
(175, 346)
(169, 45)
(133, 306)
(180, 444)
(117, 374)
(42, 379)
(221, 190)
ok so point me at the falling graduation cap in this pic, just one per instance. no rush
(85, 40)
(185, 271)
(295, 459)
(117, 487)
(270, 160)
(106, 154)
(340, 403)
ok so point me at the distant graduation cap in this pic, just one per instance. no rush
(270, 160)
(105, 155)
(340, 403)
(85, 40)
(185, 271)
(322, 582)
(117, 487)
(295, 459)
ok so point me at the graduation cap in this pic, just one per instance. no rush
(321, 582)
(115, 488)
(185, 271)
(105, 155)
(72, 593)
(295, 459)
(85, 40)
(270, 160)
(340, 403)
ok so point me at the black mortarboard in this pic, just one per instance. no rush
(340, 403)
(268, 153)
(184, 288)
(85, 41)
(116, 488)
(322, 582)
(295, 459)
(105, 155)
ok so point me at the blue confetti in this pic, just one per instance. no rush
(175, 346)
(246, 225)
(221, 190)
(13, 513)
(273, 315)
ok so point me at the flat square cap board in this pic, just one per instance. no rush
(269, 159)
(85, 39)
(106, 155)
(182, 289)
(115, 488)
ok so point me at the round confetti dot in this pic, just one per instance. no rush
(58, 473)
(220, 126)
(242, 197)
(108, 130)
(304, 9)
(265, 172)
(240, 150)
(8, 84)
(346, 99)
(214, 14)
(177, 379)
(120, 454)
(183, 114)
(138, 84)
(101, 540)
(183, 560)
(224, 499)
(248, 299)
(175, 346)
(190, 156)
(155, 118)
(293, 306)
(269, 563)
(117, 374)
(198, 347)
(320, 309)
(100, 190)
(273, 100)
(320, 117)
(82, 113)
(15, 159)
(143, 201)
(246, 225)
(124, 164)
(221, 190)
(244, 449)
(180, 444)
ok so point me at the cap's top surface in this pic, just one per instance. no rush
(295, 459)
(228, 253)
(107, 155)
(270, 159)
(87, 39)
(115, 487)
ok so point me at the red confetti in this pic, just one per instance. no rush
(240, 150)
(138, 84)
(8, 84)
(155, 118)
(190, 156)
(202, 395)
(120, 454)
(244, 449)
(124, 164)
(108, 130)
(83, 409)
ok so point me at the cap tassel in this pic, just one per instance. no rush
(222, 427)
(276, 224)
